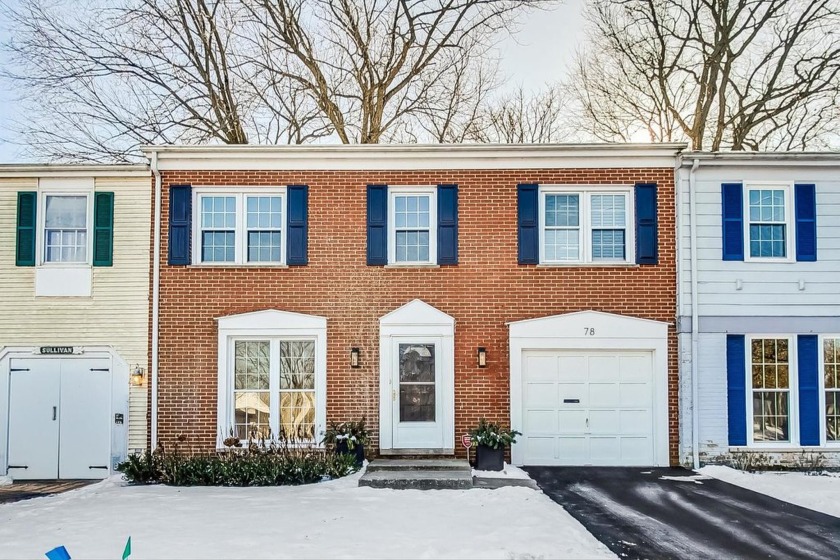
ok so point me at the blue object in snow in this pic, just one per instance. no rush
(58, 553)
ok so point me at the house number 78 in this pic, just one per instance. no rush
(588, 331)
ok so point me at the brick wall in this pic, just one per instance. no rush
(483, 292)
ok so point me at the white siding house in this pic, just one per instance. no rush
(759, 321)
(74, 290)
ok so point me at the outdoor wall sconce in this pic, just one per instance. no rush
(137, 376)
(354, 357)
(482, 357)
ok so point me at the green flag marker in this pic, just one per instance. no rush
(127, 551)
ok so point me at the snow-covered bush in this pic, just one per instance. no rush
(492, 435)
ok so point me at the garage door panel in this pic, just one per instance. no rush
(573, 368)
(541, 450)
(571, 422)
(84, 448)
(603, 395)
(541, 422)
(541, 395)
(541, 369)
(603, 421)
(602, 409)
(634, 395)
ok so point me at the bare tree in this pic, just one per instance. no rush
(98, 77)
(742, 74)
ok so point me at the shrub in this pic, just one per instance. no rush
(354, 433)
(492, 435)
(254, 465)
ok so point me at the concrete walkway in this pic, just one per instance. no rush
(673, 513)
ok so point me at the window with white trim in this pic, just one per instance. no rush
(770, 386)
(768, 222)
(239, 228)
(274, 389)
(580, 225)
(831, 378)
(65, 223)
(412, 218)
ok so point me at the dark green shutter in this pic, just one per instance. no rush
(25, 243)
(103, 229)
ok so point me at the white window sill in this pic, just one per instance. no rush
(238, 265)
(780, 448)
(590, 264)
(412, 265)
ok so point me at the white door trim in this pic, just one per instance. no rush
(419, 320)
(593, 330)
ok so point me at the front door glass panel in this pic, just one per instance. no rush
(417, 382)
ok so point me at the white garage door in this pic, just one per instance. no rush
(59, 418)
(588, 408)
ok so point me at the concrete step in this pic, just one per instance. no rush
(420, 479)
(418, 465)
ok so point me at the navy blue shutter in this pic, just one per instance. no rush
(732, 198)
(736, 390)
(180, 224)
(646, 224)
(809, 389)
(805, 207)
(297, 225)
(527, 210)
(377, 225)
(447, 233)
(25, 249)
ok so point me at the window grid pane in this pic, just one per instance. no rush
(831, 365)
(252, 415)
(65, 229)
(768, 230)
(264, 218)
(297, 390)
(412, 219)
(770, 373)
(561, 239)
(218, 223)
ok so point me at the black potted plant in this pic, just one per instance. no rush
(491, 440)
(348, 438)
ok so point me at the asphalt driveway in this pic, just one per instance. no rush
(673, 513)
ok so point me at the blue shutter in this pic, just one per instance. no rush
(736, 390)
(103, 229)
(805, 208)
(297, 225)
(180, 224)
(646, 224)
(377, 225)
(809, 389)
(25, 242)
(527, 209)
(732, 195)
(447, 219)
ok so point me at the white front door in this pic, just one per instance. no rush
(34, 396)
(588, 408)
(59, 418)
(418, 419)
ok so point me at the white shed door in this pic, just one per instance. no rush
(59, 418)
(588, 408)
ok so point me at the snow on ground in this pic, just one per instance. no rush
(508, 471)
(819, 493)
(334, 519)
(5, 480)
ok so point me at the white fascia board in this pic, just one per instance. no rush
(11, 171)
(414, 156)
(760, 159)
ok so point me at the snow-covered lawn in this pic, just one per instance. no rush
(334, 519)
(820, 493)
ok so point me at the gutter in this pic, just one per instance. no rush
(695, 317)
(155, 299)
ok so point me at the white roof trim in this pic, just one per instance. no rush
(592, 313)
(11, 171)
(413, 156)
(588, 326)
(417, 312)
(763, 159)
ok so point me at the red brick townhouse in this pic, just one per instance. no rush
(421, 287)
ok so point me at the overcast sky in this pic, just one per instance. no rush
(539, 54)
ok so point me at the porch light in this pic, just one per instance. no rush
(354, 357)
(482, 357)
(137, 376)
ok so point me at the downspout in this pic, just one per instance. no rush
(155, 299)
(695, 317)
